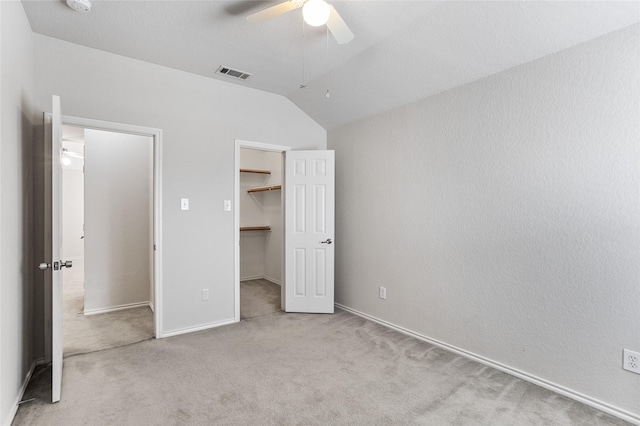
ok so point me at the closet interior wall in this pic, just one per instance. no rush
(261, 251)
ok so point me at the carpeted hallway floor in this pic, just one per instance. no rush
(87, 333)
(294, 369)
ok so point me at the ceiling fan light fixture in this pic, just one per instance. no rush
(316, 12)
(82, 6)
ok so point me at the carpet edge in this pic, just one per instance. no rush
(569, 393)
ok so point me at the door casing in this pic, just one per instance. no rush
(156, 135)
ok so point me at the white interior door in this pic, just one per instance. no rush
(54, 264)
(309, 231)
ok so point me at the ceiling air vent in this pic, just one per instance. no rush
(230, 72)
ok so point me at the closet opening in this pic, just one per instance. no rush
(260, 229)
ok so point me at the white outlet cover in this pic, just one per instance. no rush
(631, 361)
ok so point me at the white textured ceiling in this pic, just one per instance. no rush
(403, 50)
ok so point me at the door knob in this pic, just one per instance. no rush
(56, 265)
(328, 241)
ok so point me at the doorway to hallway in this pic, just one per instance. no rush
(107, 232)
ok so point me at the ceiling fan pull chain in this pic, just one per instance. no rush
(328, 95)
(304, 82)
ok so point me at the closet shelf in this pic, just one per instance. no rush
(260, 172)
(266, 188)
(255, 228)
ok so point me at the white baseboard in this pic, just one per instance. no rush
(257, 277)
(23, 389)
(273, 280)
(569, 393)
(116, 308)
(198, 328)
(261, 277)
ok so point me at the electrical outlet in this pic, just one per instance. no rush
(205, 294)
(631, 361)
(383, 292)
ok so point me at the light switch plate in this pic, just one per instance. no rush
(184, 204)
(227, 205)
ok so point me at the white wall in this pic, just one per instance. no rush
(200, 118)
(261, 252)
(72, 214)
(17, 269)
(118, 185)
(503, 217)
(272, 202)
(72, 245)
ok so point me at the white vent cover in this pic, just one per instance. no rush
(230, 72)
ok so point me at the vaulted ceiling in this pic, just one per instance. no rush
(402, 51)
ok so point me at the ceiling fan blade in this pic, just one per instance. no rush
(338, 28)
(273, 11)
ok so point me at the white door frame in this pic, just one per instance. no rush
(156, 134)
(236, 217)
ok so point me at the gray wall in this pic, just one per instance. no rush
(118, 216)
(503, 217)
(272, 202)
(17, 272)
(201, 117)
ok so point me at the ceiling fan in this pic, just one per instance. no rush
(314, 12)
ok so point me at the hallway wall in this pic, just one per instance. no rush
(118, 218)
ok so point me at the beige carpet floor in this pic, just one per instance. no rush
(293, 369)
(88, 333)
